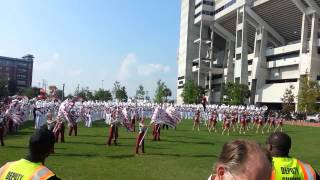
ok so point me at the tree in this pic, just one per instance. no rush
(288, 102)
(31, 92)
(235, 93)
(70, 96)
(103, 95)
(308, 95)
(190, 92)
(140, 93)
(121, 94)
(160, 92)
(59, 94)
(3, 89)
(12, 87)
(116, 87)
(84, 93)
(167, 93)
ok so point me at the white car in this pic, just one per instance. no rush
(313, 118)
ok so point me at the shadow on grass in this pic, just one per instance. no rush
(75, 155)
(94, 136)
(184, 155)
(17, 147)
(124, 156)
(187, 137)
(189, 142)
(88, 143)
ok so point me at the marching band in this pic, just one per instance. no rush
(55, 114)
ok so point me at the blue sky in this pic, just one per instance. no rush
(87, 41)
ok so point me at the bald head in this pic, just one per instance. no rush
(279, 144)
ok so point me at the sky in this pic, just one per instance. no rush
(93, 43)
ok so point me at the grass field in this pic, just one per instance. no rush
(181, 154)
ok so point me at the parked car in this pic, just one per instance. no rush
(313, 118)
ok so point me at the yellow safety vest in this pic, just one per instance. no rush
(291, 169)
(24, 170)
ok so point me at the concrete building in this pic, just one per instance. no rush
(18, 70)
(267, 44)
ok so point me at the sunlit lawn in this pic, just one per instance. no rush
(181, 153)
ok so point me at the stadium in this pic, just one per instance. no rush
(266, 44)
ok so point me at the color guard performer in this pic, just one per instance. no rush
(213, 121)
(58, 130)
(243, 123)
(73, 126)
(226, 125)
(196, 120)
(279, 124)
(260, 124)
(113, 131)
(156, 132)
(141, 136)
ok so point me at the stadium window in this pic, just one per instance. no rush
(198, 5)
(21, 83)
(216, 87)
(318, 77)
(217, 76)
(180, 82)
(238, 56)
(209, 3)
(283, 56)
(181, 77)
(198, 14)
(274, 81)
(250, 62)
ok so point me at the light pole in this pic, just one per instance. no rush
(102, 84)
(63, 91)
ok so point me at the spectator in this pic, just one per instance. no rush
(284, 166)
(41, 143)
(242, 160)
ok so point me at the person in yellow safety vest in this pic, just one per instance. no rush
(32, 167)
(284, 166)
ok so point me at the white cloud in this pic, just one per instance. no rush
(130, 68)
(133, 72)
(149, 69)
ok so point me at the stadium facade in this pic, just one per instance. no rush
(267, 44)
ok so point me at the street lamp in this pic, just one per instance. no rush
(63, 91)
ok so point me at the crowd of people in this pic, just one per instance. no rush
(51, 117)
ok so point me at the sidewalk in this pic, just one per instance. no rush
(302, 123)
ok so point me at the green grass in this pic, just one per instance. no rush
(181, 153)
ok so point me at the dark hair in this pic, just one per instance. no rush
(280, 142)
(41, 143)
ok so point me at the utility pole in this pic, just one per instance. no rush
(63, 91)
